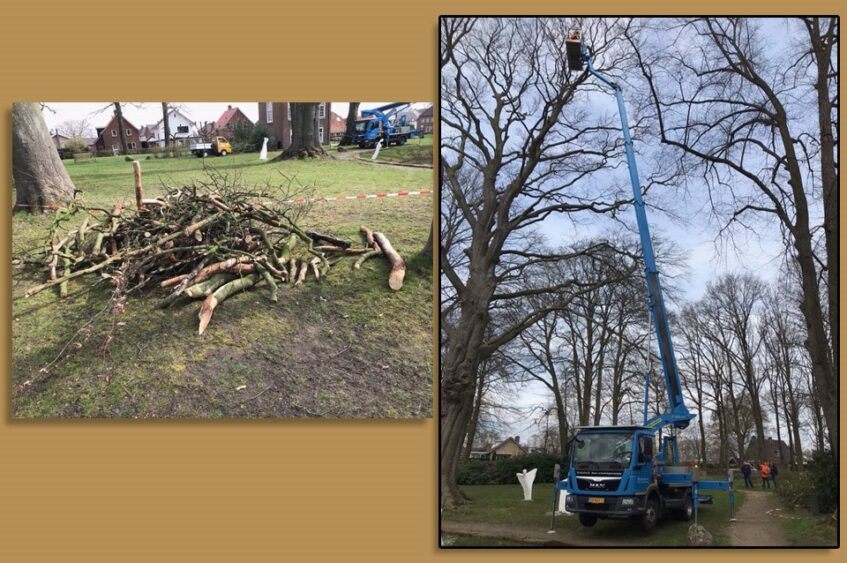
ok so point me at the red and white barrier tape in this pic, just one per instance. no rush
(308, 199)
(354, 197)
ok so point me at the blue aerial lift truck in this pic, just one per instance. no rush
(380, 126)
(617, 471)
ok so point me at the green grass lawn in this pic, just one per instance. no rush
(503, 506)
(345, 347)
(805, 529)
(415, 151)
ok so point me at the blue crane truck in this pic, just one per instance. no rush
(617, 471)
(380, 126)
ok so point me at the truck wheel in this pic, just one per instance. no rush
(361, 145)
(223, 152)
(686, 513)
(587, 520)
(205, 154)
(651, 514)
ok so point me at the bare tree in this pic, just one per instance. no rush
(350, 128)
(166, 122)
(119, 120)
(40, 178)
(823, 42)
(516, 148)
(737, 112)
(75, 128)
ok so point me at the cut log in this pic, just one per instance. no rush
(220, 295)
(139, 190)
(341, 249)
(301, 272)
(314, 264)
(206, 288)
(369, 237)
(398, 265)
(366, 256)
(317, 237)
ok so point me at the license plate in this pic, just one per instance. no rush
(596, 500)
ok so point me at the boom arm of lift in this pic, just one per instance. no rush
(386, 111)
(677, 415)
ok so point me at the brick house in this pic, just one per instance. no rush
(425, 120)
(337, 126)
(230, 121)
(775, 450)
(277, 117)
(109, 137)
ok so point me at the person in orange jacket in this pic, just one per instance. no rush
(765, 470)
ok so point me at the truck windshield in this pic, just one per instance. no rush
(602, 450)
(361, 126)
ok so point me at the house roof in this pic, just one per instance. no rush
(228, 115)
(114, 117)
(426, 113)
(506, 441)
(148, 132)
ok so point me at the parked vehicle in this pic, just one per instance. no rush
(379, 126)
(219, 146)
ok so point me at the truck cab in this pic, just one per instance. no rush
(614, 472)
(367, 132)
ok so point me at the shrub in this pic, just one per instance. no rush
(816, 487)
(503, 472)
(257, 137)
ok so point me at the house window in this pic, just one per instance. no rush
(289, 111)
(114, 133)
(129, 131)
(131, 146)
(182, 129)
(269, 112)
(115, 146)
(321, 134)
(322, 110)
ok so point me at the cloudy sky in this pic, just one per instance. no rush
(143, 113)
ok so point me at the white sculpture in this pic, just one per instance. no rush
(264, 154)
(526, 478)
(376, 151)
(563, 499)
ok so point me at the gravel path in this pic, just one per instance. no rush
(753, 525)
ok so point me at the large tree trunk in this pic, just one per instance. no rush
(41, 180)
(352, 114)
(477, 407)
(458, 383)
(561, 419)
(304, 133)
(166, 122)
(119, 114)
(427, 249)
(822, 45)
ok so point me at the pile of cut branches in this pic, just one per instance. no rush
(205, 241)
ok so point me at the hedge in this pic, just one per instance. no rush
(503, 472)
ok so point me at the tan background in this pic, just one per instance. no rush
(226, 491)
